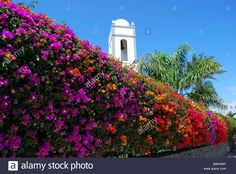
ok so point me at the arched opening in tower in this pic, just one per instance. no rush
(124, 50)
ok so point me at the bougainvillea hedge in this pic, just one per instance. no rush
(62, 97)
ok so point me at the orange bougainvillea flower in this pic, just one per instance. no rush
(10, 56)
(150, 93)
(150, 140)
(111, 86)
(168, 108)
(167, 142)
(185, 135)
(121, 118)
(201, 106)
(43, 41)
(87, 62)
(7, 54)
(123, 139)
(112, 129)
(161, 97)
(7, 1)
(133, 81)
(103, 91)
(76, 72)
(141, 118)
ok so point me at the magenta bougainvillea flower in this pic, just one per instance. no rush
(56, 46)
(13, 142)
(81, 96)
(45, 149)
(21, 31)
(3, 82)
(6, 34)
(24, 71)
(44, 54)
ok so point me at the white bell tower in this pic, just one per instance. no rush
(122, 41)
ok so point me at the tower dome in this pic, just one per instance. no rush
(121, 22)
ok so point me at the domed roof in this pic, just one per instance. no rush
(121, 22)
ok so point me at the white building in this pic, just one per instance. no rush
(122, 41)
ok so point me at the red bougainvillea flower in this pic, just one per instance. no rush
(76, 72)
(150, 140)
(147, 150)
(112, 129)
(90, 69)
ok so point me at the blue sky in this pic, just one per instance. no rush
(209, 26)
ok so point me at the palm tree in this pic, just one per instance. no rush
(231, 114)
(30, 4)
(188, 78)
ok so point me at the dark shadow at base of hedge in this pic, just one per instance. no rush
(162, 154)
(152, 155)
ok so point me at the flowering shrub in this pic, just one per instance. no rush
(230, 124)
(217, 128)
(47, 110)
(233, 124)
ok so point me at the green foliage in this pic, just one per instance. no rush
(233, 124)
(228, 126)
(231, 114)
(205, 93)
(189, 78)
(63, 23)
